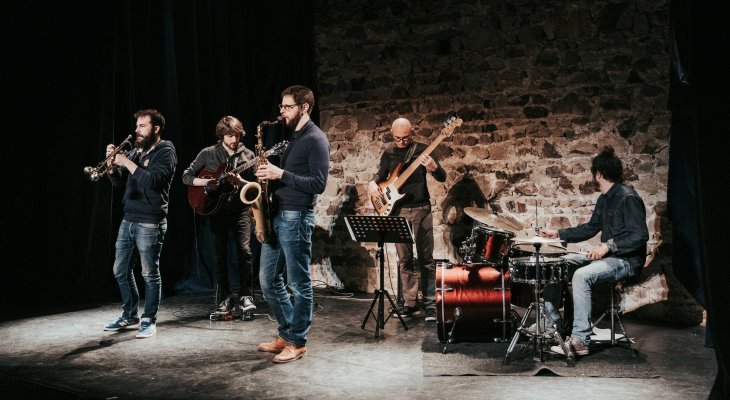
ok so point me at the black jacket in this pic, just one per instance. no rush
(620, 216)
(147, 191)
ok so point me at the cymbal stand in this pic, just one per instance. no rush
(537, 338)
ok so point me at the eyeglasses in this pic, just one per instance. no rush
(287, 107)
(401, 139)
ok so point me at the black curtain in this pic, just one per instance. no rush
(75, 73)
(698, 168)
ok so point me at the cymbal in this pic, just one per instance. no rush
(546, 246)
(487, 217)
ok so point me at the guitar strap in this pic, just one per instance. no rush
(410, 152)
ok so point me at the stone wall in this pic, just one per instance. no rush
(540, 86)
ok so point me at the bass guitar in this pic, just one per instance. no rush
(205, 201)
(389, 195)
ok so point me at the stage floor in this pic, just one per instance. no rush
(67, 355)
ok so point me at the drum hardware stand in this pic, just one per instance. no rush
(458, 313)
(536, 339)
(380, 229)
(504, 300)
(443, 289)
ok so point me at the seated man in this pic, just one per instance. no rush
(620, 216)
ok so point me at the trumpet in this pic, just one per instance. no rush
(104, 167)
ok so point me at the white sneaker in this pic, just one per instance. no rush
(147, 328)
(247, 303)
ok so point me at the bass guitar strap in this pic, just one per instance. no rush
(409, 154)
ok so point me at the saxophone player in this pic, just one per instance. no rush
(301, 177)
(231, 215)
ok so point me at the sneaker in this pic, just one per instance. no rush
(430, 315)
(247, 303)
(122, 323)
(406, 311)
(549, 330)
(146, 329)
(226, 305)
(574, 346)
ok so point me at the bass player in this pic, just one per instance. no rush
(415, 206)
(231, 215)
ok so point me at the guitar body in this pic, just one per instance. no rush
(207, 201)
(383, 204)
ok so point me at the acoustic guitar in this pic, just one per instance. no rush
(207, 201)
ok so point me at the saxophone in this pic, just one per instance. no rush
(260, 206)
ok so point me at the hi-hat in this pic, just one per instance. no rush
(546, 246)
(486, 216)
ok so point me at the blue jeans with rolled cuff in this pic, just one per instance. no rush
(143, 240)
(285, 262)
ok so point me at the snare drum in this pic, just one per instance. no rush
(524, 269)
(486, 245)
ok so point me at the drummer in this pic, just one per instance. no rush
(620, 216)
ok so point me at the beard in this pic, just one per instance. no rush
(231, 146)
(292, 124)
(146, 142)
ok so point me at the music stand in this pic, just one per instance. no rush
(380, 229)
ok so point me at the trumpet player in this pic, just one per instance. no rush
(301, 177)
(146, 173)
(231, 215)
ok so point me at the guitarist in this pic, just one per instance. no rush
(415, 206)
(232, 215)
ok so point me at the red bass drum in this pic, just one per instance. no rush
(482, 295)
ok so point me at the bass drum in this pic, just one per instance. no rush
(481, 293)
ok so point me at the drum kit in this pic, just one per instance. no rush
(477, 295)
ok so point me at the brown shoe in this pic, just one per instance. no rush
(578, 347)
(290, 353)
(273, 347)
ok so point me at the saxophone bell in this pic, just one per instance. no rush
(250, 192)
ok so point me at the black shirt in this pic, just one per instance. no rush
(414, 188)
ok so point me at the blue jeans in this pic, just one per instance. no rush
(143, 240)
(290, 254)
(588, 273)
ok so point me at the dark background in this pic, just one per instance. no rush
(75, 75)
